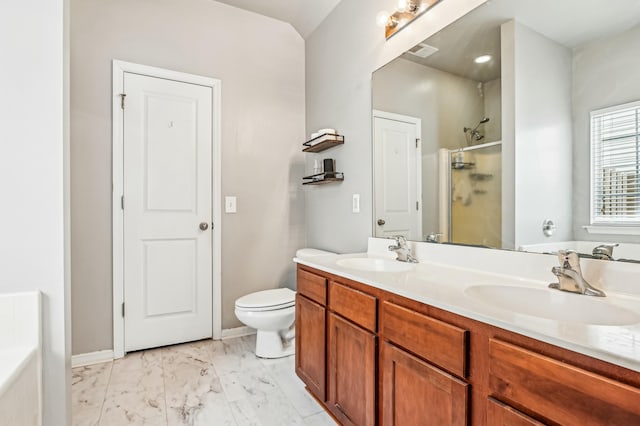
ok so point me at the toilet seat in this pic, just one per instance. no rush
(267, 300)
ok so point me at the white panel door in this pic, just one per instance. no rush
(167, 212)
(397, 209)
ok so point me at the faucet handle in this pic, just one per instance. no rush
(433, 237)
(604, 251)
(400, 240)
(569, 259)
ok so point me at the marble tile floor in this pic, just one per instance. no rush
(207, 383)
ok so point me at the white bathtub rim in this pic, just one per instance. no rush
(13, 361)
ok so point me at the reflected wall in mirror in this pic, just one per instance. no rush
(484, 130)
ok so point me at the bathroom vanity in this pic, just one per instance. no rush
(378, 345)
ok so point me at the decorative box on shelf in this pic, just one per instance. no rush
(325, 177)
(322, 142)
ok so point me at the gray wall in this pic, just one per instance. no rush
(340, 57)
(261, 64)
(33, 153)
(605, 73)
(537, 137)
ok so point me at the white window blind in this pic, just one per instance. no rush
(615, 165)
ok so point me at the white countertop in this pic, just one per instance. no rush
(445, 286)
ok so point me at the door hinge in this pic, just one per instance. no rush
(122, 309)
(417, 205)
(122, 202)
(417, 142)
(122, 96)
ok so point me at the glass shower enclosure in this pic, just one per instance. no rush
(475, 195)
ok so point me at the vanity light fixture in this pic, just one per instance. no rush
(406, 11)
(483, 59)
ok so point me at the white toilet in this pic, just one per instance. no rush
(272, 313)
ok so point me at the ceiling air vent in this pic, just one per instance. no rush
(422, 50)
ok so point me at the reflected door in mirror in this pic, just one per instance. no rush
(397, 188)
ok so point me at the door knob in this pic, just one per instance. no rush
(381, 222)
(204, 226)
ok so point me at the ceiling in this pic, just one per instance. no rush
(303, 15)
(569, 22)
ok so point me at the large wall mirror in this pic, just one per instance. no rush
(488, 133)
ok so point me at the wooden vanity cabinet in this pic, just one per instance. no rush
(415, 388)
(352, 346)
(557, 392)
(311, 332)
(415, 392)
(352, 372)
(377, 358)
(499, 414)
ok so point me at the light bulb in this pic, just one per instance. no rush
(482, 59)
(402, 5)
(382, 18)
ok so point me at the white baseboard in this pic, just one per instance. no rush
(98, 357)
(237, 332)
(90, 358)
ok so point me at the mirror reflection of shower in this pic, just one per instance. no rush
(474, 135)
(460, 159)
(470, 196)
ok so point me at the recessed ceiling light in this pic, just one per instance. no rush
(482, 59)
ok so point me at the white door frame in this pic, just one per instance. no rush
(119, 68)
(405, 119)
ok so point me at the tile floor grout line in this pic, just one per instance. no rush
(164, 389)
(106, 390)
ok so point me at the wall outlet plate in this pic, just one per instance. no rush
(355, 205)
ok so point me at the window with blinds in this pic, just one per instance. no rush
(615, 165)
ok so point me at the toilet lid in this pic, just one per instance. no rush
(278, 298)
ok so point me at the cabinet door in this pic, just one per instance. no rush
(417, 393)
(352, 372)
(499, 414)
(310, 345)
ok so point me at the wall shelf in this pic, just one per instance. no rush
(322, 142)
(480, 176)
(322, 178)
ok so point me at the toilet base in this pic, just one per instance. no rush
(269, 344)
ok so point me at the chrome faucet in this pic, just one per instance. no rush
(433, 237)
(570, 276)
(604, 251)
(404, 252)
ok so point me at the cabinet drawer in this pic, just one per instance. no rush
(499, 414)
(559, 392)
(312, 286)
(353, 304)
(438, 342)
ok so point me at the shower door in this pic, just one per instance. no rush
(475, 195)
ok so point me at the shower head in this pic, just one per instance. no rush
(474, 133)
(484, 120)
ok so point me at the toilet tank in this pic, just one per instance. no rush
(305, 253)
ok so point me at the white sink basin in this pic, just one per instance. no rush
(553, 304)
(375, 265)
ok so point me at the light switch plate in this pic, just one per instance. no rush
(230, 204)
(355, 205)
